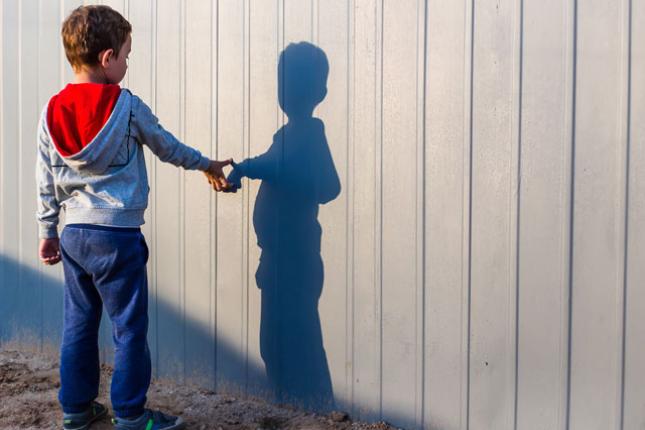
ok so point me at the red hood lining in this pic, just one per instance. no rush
(77, 114)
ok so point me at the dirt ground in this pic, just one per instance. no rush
(29, 384)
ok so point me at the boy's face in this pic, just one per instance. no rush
(116, 67)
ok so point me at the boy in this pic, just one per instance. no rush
(91, 163)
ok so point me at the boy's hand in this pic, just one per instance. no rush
(215, 174)
(49, 251)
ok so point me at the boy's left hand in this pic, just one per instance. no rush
(49, 251)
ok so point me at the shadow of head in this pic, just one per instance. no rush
(302, 79)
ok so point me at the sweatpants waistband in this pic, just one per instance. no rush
(104, 228)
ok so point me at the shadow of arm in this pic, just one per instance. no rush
(329, 183)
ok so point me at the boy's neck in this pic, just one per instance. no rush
(89, 76)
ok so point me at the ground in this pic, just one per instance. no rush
(29, 383)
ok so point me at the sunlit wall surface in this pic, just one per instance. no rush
(458, 243)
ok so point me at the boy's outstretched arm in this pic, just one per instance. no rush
(169, 149)
(47, 207)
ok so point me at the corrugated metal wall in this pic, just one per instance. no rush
(483, 263)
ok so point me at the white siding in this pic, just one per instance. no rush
(483, 261)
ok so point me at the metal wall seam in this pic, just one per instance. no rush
(246, 218)
(349, 202)
(181, 177)
(19, 148)
(213, 198)
(39, 267)
(153, 197)
(315, 21)
(280, 116)
(18, 202)
(624, 123)
(514, 204)
(566, 200)
(571, 202)
(379, 192)
(9, 166)
(35, 257)
(469, 73)
(634, 415)
(2, 148)
(28, 113)
(420, 218)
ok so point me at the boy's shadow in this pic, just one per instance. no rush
(298, 174)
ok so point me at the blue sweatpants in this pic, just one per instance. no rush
(104, 266)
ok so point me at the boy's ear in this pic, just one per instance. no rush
(105, 57)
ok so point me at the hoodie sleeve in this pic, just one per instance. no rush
(48, 207)
(161, 142)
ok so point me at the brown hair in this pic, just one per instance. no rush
(88, 30)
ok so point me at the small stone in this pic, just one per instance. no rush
(339, 416)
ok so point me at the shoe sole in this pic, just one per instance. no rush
(179, 425)
(92, 421)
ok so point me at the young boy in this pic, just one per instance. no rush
(91, 163)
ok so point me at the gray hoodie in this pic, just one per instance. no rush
(106, 182)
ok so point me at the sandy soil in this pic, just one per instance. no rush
(29, 383)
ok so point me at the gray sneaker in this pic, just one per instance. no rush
(83, 420)
(150, 420)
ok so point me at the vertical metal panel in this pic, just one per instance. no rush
(246, 215)
(400, 182)
(168, 194)
(435, 111)
(231, 223)
(598, 216)
(297, 21)
(634, 366)
(332, 38)
(198, 259)
(10, 153)
(365, 177)
(544, 215)
(47, 84)
(263, 118)
(4, 292)
(493, 216)
(420, 227)
(446, 83)
(28, 304)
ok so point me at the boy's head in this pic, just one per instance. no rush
(97, 38)
(302, 78)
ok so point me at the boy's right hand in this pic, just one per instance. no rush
(215, 174)
(49, 251)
